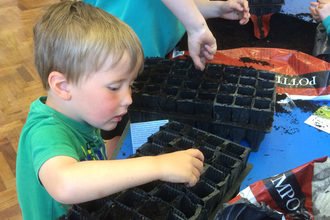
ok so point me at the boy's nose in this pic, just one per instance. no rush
(127, 98)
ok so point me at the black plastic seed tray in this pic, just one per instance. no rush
(220, 100)
(263, 7)
(220, 178)
(120, 211)
(224, 162)
(208, 143)
(235, 165)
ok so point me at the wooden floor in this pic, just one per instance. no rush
(19, 87)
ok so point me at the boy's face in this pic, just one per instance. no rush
(103, 98)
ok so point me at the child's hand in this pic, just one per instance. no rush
(315, 9)
(323, 10)
(181, 166)
(201, 45)
(315, 15)
(236, 10)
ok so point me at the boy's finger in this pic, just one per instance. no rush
(192, 182)
(198, 164)
(198, 154)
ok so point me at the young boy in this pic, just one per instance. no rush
(87, 60)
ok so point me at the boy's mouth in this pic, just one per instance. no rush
(118, 118)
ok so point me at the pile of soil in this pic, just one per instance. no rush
(285, 31)
(304, 105)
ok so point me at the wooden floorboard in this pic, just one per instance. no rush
(19, 87)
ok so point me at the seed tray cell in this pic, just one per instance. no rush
(154, 207)
(235, 165)
(236, 150)
(162, 138)
(183, 143)
(190, 209)
(208, 143)
(209, 194)
(133, 198)
(168, 194)
(148, 187)
(120, 211)
(150, 148)
(209, 153)
(193, 197)
(222, 95)
(219, 178)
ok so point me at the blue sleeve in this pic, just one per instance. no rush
(326, 23)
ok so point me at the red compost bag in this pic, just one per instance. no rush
(300, 193)
(300, 75)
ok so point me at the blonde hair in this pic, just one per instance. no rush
(75, 39)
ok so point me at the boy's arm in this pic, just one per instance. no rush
(69, 181)
(231, 9)
(201, 42)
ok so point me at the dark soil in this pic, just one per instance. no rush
(285, 31)
(306, 106)
(155, 210)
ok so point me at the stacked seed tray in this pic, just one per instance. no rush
(223, 164)
(228, 101)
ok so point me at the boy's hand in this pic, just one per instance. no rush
(236, 10)
(181, 166)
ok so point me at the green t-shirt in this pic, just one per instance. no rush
(46, 134)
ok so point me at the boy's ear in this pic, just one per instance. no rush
(57, 82)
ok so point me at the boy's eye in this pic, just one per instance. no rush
(113, 88)
(132, 87)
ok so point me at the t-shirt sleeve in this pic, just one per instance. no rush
(47, 142)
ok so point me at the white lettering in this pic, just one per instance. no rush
(290, 204)
(289, 193)
(313, 81)
(304, 79)
(286, 190)
(295, 82)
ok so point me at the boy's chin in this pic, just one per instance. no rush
(109, 127)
